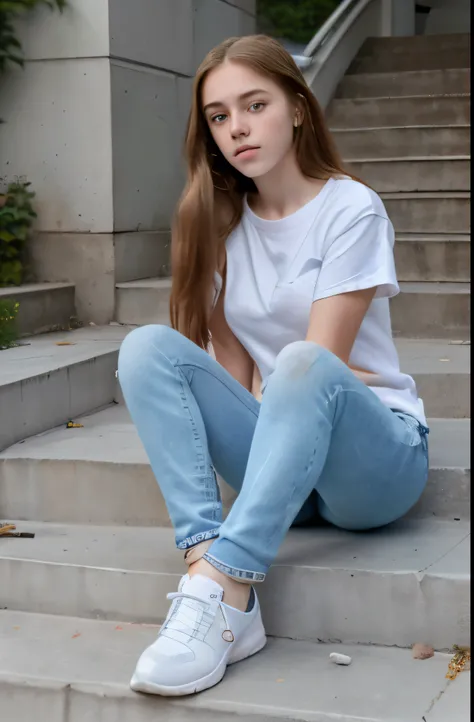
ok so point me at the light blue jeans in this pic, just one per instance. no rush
(320, 438)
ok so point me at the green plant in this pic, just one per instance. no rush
(8, 333)
(11, 10)
(16, 217)
(296, 20)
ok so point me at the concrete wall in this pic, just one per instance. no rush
(449, 16)
(96, 122)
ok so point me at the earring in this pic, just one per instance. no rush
(295, 123)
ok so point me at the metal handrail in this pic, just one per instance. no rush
(327, 30)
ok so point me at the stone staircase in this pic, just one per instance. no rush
(82, 599)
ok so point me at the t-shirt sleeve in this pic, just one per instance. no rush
(358, 258)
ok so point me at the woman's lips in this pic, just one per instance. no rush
(247, 154)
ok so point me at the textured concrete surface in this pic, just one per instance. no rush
(442, 374)
(433, 173)
(388, 112)
(441, 257)
(403, 141)
(43, 306)
(424, 52)
(432, 310)
(355, 581)
(142, 302)
(402, 83)
(87, 666)
(429, 212)
(43, 385)
(94, 262)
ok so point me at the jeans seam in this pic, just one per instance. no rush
(201, 368)
(199, 448)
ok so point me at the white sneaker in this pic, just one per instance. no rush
(200, 636)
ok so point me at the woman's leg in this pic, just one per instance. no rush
(319, 428)
(192, 416)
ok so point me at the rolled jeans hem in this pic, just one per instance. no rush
(241, 575)
(191, 541)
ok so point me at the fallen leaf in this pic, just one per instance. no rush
(74, 425)
(460, 662)
(65, 343)
(280, 680)
(75, 636)
(16, 628)
(119, 629)
(422, 651)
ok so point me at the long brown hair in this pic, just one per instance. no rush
(215, 190)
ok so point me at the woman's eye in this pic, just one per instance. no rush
(256, 106)
(218, 118)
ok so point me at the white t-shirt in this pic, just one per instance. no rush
(340, 241)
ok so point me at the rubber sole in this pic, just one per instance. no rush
(199, 685)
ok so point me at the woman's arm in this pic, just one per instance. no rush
(335, 322)
(228, 350)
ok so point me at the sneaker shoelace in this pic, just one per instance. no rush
(190, 615)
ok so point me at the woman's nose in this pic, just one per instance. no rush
(238, 127)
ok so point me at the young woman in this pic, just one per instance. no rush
(286, 263)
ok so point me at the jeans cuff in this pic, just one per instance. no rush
(241, 575)
(191, 541)
(235, 562)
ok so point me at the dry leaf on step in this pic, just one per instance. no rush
(422, 651)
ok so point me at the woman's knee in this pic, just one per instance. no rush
(141, 347)
(297, 359)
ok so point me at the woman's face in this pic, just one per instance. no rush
(244, 108)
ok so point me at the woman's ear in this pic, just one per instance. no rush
(300, 109)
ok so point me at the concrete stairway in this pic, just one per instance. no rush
(43, 306)
(82, 599)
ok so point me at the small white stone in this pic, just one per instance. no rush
(340, 658)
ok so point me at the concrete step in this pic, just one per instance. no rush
(392, 175)
(403, 142)
(432, 310)
(43, 306)
(278, 683)
(100, 474)
(386, 62)
(413, 53)
(429, 212)
(439, 257)
(386, 112)
(400, 45)
(142, 302)
(354, 581)
(442, 374)
(43, 384)
(412, 82)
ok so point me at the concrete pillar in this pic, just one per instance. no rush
(397, 17)
(96, 121)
